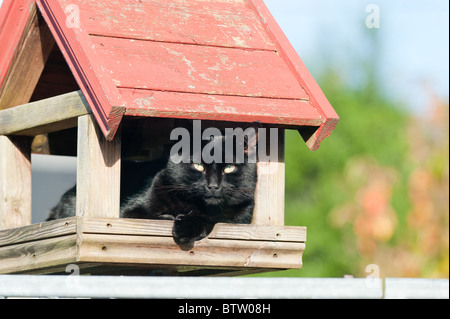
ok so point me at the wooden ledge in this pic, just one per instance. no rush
(124, 244)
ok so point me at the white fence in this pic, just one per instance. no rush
(219, 287)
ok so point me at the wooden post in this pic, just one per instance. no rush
(98, 172)
(269, 197)
(15, 181)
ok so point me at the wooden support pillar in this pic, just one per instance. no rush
(98, 172)
(15, 181)
(269, 197)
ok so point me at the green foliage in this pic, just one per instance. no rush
(371, 127)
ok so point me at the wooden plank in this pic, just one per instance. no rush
(51, 252)
(45, 116)
(259, 232)
(122, 245)
(269, 195)
(230, 23)
(15, 181)
(163, 228)
(219, 107)
(98, 172)
(45, 230)
(186, 68)
(207, 252)
(36, 44)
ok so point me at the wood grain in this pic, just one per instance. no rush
(162, 228)
(56, 228)
(98, 172)
(45, 116)
(52, 252)
(270, 189)
(140, 102)
(190, 68)
(207, 252)
(119, 246)
(230, 23)
(15, 181)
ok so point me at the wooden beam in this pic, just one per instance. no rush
(15, 181)
(39, 254)
(102, 248)
(45, 116)
(98, 172)
(124, 244)
(163, 228)
(28, 63)
(269, 196)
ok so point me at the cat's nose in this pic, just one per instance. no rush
(213, 188)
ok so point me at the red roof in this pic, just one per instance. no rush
(199, 59)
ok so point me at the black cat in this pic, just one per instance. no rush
(195, 195)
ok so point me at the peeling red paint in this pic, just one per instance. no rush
(215, 60)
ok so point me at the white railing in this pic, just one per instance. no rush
(219, 287)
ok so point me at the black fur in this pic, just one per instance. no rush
(195, 200)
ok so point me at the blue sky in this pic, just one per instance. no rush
(413, 42)
(413, 34)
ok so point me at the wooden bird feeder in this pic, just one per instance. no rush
(107, 79)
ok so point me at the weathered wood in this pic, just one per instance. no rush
(98, 172)
(121, 245)
(29, 61)
(51, 252)
(215, 23)
(51, 229)
(15, 181)
(207, 252)
(163, 228)
(45, 116)
(203, 49)
(140, 102)
(269, 197)
(184, 68)
(14, 20)
(87, 68)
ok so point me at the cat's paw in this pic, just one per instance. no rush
(187, 229)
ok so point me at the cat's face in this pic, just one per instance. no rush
(216, 184)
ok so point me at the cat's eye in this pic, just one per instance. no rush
(229, 169)
(199, 167)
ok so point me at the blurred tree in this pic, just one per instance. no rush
(376, 192)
